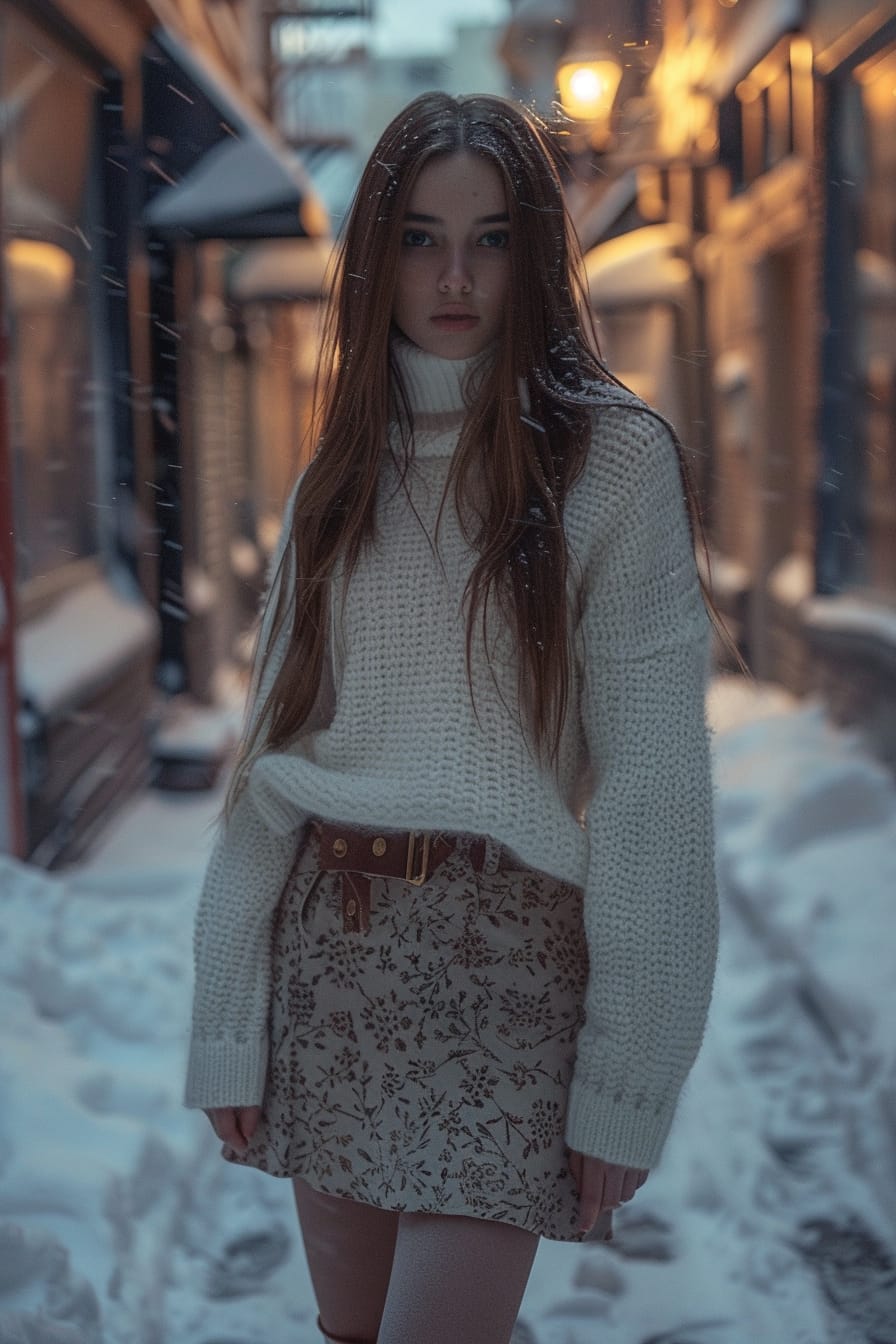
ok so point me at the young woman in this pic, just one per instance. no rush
(456, 940)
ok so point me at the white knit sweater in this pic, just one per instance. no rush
(394, 743)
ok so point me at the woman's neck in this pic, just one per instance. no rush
(437, 386)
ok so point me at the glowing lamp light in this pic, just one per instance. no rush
(588, 86)
(37, 274)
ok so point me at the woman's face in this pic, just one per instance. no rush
(454, 266)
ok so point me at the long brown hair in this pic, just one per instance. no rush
(536, 401)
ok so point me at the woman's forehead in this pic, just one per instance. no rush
(458, 183)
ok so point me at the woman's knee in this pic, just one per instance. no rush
(349, 1248)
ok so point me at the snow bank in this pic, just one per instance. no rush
(99, 632)
(852, 615)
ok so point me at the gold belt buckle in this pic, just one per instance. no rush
(413, 837)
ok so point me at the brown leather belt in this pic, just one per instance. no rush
(412, 856)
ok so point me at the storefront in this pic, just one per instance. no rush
(127, 396)
(851, 623)
(85, 633)
(768, 139)
(759, 266)
(216, 181)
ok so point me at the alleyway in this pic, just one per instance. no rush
(771, 1217)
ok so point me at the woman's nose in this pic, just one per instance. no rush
(456, 277)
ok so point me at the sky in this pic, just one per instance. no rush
(411, 26)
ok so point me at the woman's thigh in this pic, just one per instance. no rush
(455, 1278)
(349, 1247)
(391, 1278)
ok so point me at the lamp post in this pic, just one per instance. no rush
(588, 82)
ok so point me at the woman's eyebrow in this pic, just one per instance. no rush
(418, 218)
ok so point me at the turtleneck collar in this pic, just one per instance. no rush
(435, 386)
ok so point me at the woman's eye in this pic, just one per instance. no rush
(496, 238)
(416, 238)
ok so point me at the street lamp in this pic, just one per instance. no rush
(588, 83)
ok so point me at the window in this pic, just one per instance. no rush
(49, 205)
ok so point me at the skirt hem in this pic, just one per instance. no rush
(463, 1209)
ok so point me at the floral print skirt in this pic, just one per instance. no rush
(423, 1065)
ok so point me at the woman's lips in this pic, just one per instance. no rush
(455, 321)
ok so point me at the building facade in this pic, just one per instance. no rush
(137, 173)
(740, 251)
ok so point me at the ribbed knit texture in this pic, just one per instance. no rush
(394, 743)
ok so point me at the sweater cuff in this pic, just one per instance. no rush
(620, 1132)
(226, 1072)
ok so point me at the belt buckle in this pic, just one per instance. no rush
(420, 878)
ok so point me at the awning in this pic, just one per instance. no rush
(238, 189)
(245, 186)
(639, 267)
(282, 268)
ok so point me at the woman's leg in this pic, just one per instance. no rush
(455, 1279)
(349, 1247)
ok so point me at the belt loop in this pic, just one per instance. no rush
(492, 856)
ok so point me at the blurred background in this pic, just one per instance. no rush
(173, 176)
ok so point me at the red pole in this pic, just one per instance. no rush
(12, 825)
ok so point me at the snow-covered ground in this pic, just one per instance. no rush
(770, 1220)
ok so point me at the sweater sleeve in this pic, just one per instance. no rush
(650, 904)
(248, 868)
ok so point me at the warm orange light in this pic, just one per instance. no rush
(38, 274)
(707, 140)
(588, 86)
(801, 54)
(313, 218)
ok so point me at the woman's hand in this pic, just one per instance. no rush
(602, 1185)
(234, 1124)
